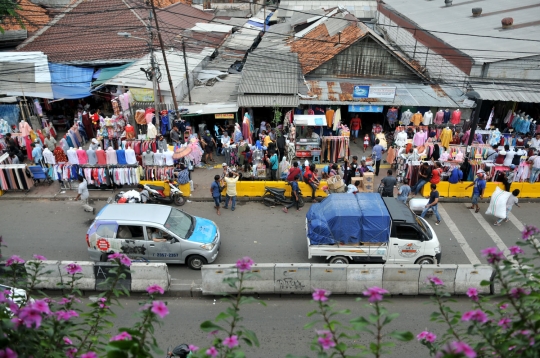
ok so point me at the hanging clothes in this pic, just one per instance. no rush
(329, 117)
(456, 117)
(446, 137)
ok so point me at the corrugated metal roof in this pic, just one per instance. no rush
(224, 91)
(268, 101)
(366, 9)
(513, 93)
(270, 72)
(490, 42)
(407, 94)
(298, 18)
(336, 24)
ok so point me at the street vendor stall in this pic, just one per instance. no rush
(306, 134)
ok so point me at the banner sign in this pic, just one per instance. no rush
(360, 91)
(382, 92)
(224, 116)
(365, 109)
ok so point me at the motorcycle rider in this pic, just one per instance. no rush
(144, 193)
(294, 195)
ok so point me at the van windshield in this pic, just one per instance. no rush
(424, 228)
(179, 223)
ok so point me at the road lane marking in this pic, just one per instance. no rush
(516, 222)
(489, 230)
(459, 237)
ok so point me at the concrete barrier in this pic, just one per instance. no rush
(213, 276)
(50, 277)
(360, 277)
(102, 271)
(146, 274)
(471, 276)
(329, 277)
(496, 286)
(293, 278)
(446, 272)
(401, 279)
(263, 281)
(88, 280)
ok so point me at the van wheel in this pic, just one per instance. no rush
(340, 260)
(196, 262)
(426, 260)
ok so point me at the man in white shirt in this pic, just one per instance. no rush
(84, 195)
(535, 142)
(535, 160)
(50, 142)
(231, 180)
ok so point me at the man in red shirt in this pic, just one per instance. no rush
(310, 178)
(293, 172)
(356, 125)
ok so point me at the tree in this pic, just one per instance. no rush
(8, 8)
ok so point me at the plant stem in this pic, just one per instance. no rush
(236, 307)
(445, 314)
(332, 331)
(379, 328)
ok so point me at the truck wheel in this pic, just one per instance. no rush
(426, 260)
(340, 260)
(196, 262)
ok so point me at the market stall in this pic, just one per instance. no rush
(306, 134)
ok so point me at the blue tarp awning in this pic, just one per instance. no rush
(349, 219)
(105, 74)
(70, 82)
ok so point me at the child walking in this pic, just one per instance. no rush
(366, 142)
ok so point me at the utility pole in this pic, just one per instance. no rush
(164, 57)
(264, 16)
(186, 68)
(473, 95)
(154, 69)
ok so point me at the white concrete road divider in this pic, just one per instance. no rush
(445, 272)
(401, 279)
(88, 279)
(146, 274)
(263, 281)
(50, 275)
(496, 284)
(329, 277)
(293, 278)
(213, 276)
(471, 276)
(360, 277)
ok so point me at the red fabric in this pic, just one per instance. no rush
(293, 173)
(356, 124)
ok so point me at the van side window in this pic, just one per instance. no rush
(106, 230)
(130, 232)
(407, 233)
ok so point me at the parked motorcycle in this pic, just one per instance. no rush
(157, 196)
(130, 196)
(276, 196)
(180, 351)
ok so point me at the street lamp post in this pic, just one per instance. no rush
(152, 64)
(473, 95)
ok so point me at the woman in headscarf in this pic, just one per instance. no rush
(237, 133)
(283, 169)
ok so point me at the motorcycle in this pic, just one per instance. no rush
(130, 196)
(276, 196)
(157, 196)
(180, 351)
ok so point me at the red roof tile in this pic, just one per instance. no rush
(32, 16)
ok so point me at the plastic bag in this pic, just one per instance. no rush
(497, 204)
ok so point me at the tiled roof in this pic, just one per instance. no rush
(86, 32)
(317, 46)
(165, 3)
(32, 16)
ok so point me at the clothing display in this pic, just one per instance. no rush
(439, 117)
(148, 158)
(428, 118)
(111, 156)
(456, 117)
(417, 118)
(391, 116)
(419, 138)
(101, 156)
(334, 148)
(14, 177)
(446, 116)
(406, 117)
(446, 137)
(73, 158)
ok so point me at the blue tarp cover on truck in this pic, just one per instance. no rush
(349, 219)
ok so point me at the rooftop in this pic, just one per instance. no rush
(481, 38)
(362, 9)
(32, 16)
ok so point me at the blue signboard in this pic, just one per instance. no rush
(360, 92)
(365, 109)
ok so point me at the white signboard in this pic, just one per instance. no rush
(382, 92)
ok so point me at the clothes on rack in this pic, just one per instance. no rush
(334, 148)
(15, 177)
(446, 137)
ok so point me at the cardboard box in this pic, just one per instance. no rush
(369, 178)
(354, 179)
(368, 188)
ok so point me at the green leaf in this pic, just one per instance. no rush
(403, 336)
(311, 324)
(252, 336)
(312, 313)
(248, 299)
(221, 316)
(485, 283)
(247, 340)
(209, 326)
(390, 318)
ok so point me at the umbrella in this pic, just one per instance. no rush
(181, 152)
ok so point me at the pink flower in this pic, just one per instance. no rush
(67, 340)
(7, 353)
(41, 306)
(14, 260)
(65, 315)
(473, 294)
(517, 292)
(505, 323)
(436, 281)
(493, 255)
(70, 353)
(244, 264)
(212, 352)
(375, 294)
(124, 336)
(89, 355)
(73, 269)
(40, 258)
(326, 342)
(529, 231)
(514, 250)
(155, 288)
(121, 258)
(212, 334)
(159, 308)
(476, 315)
(321, 295)
(503, 306)
(462, 347)
(231, 341)
(193, 348)
(30, 316)
(428, 336)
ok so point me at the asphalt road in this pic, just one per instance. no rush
(57, 229)
(279, 325)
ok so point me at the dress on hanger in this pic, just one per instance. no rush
(456, 117)
(83, 157)
(446, 116)
(439, 117)
(417, 119)
(446, 137)
(428, 118)
(406, 118)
